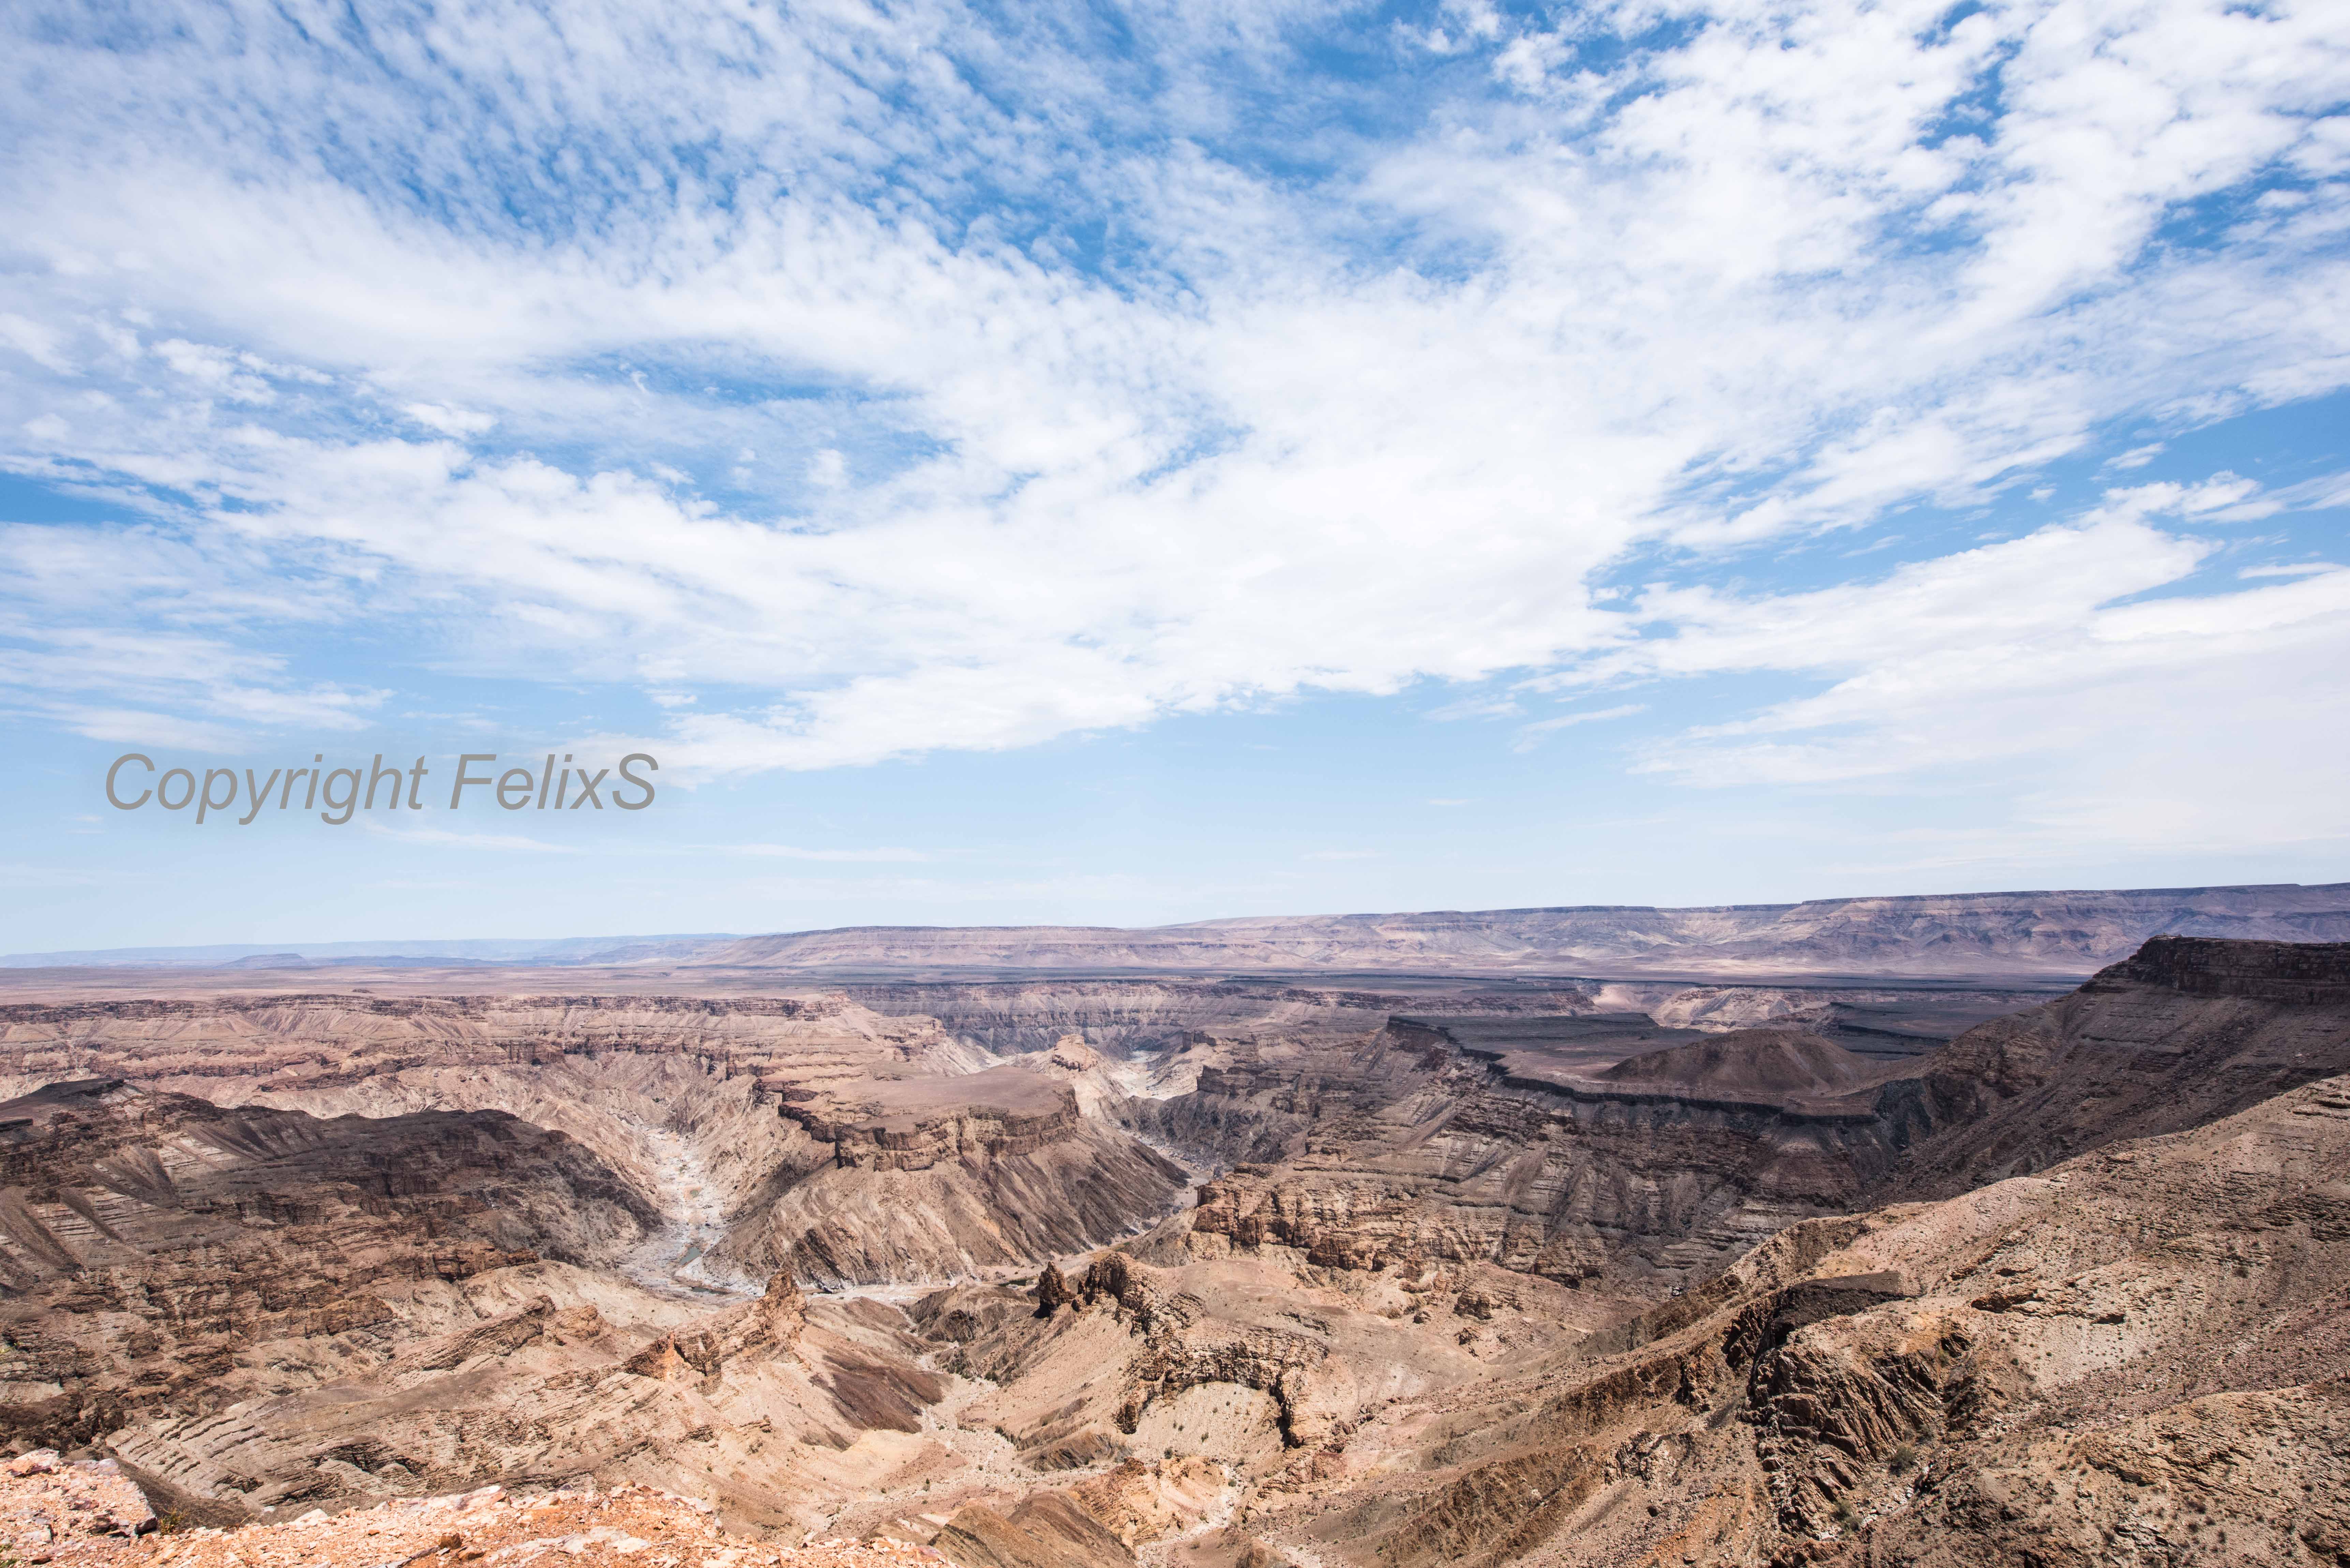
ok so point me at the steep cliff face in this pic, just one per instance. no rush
(2182, 1033)
(1408, 1149)
(1128, 1017)
(631, 1076)
(792, 1132)
(2134, 1357)
(935, 1179)
(149, 1243)
(2298, 974)
(1255, 1361)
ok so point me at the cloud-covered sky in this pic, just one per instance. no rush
(1908, 434)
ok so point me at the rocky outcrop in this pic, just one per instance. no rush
(2302, 975)
(1413, 1152)
(1142, 1500)
(850, 1225)
(2073, 1367)
(1184, 1347)
(856, 1147)
(939, 1177)
(1042, 1530)
(149, 1244)
(49, 1505)
(2181, 1033)
(916, 1124)
(768, 1327)
(1791, 1070)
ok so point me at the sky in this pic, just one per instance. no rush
(1133, 463)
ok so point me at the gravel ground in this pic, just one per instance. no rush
(85, 1515)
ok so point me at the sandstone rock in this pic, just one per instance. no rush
(787, 1107)
(1140, 1500)
(2029, 1373)
(2184, 1032)
(1044, 1530)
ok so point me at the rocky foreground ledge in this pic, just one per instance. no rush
(87, 1515)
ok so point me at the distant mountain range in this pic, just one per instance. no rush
(1962, 935)
(270, 955)
(1968, 934)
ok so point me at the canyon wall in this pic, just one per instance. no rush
(766, 1121)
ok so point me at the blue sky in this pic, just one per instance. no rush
(1129, 464)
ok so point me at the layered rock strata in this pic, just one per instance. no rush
(2132, 1357)
(2180, 1034)
(797, 1132)
(1975, 934)
(1411, 1150)
(152, 1245)
(941, 1178)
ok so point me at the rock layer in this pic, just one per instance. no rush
(749, 1111)
(2180, 1034)
(2060, 932)
(2136, 1350)
(1410, 1151)
(151, 1244)
(940, 1177)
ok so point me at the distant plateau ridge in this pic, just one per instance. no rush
(1960, 936)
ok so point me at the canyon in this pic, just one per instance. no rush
(1044, 1271)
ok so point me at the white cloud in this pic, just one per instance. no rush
(1530, 735)
(2297, 569)
(2053, 669)
(448, 421)
(163, 687)
(449, 839)
(134, 727)
(792, 852)
(1341, 432)
(35, 342)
